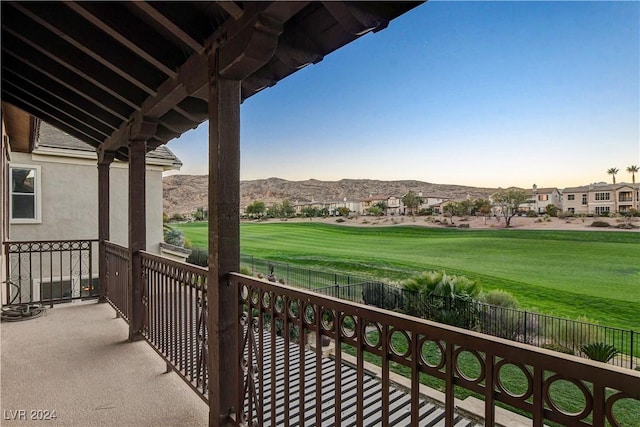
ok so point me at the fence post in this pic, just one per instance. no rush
(287, 273)
(631, 348)
(525, 327)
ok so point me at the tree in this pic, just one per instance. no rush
(200, 214)
(274, 211)
(464, 207)
(287, 209)
(411, 200)
(508, 201)
(613, 172)
(450, 209)
(375, 211)
(309, 212)
(551, 210)
(482, 207)
(382, 205)
(256, 209)
(344, 211)
(633, 169)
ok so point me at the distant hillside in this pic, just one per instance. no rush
(185, 193)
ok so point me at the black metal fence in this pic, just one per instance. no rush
(51, 271)
(554, 333)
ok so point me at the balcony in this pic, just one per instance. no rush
(373, 372)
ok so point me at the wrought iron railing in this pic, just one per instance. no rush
(175, 299)
(425, 350)
(117, 275)
(541, 330)
(51, 271)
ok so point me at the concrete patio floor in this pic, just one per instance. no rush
(76, 360)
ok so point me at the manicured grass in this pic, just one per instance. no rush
(565, 273)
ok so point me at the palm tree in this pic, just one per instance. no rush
(613, 172)
(633, 169)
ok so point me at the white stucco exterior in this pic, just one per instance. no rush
(68, 200)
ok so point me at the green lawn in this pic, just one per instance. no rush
(564, 273)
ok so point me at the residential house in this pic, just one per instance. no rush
(373, 200)
(599, 198)
(335, 205)
(395, 205)
(60, 177)
(575, 200)
(542, 197)
(429, 202)
(51, 195)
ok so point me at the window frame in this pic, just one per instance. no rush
(37, 197)
(571, 196)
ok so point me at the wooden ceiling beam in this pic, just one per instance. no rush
(98, 52)
(57, 103)
(117, 34)
(57, 74)
(231, 8)
(62, 93)
(165, 22)
(354, 19)
(66, 59)
(45, 114)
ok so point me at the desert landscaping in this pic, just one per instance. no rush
(518, 222)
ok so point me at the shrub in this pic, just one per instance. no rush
(563, 215)
(558, 347)
(340, 220)
(551, 210)
(626, 226)
(174, 237)
(599, 351)
(573, 334)
(499, 298)
(600, 224)
(532, 214)
(463, 226)
(199, 257)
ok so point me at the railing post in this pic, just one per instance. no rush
(104, 162)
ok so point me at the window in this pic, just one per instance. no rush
(571, 197)
(602, 209)
(602, 196)
(543, 197)
(572, 210)
(25, 194)
(584, 200)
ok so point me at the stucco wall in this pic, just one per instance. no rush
(69, 200)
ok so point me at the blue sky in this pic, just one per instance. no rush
(473, 93)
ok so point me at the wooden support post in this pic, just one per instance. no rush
(137, 233)
(224, 246)
(104, 163)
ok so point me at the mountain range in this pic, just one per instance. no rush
(185, 193)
